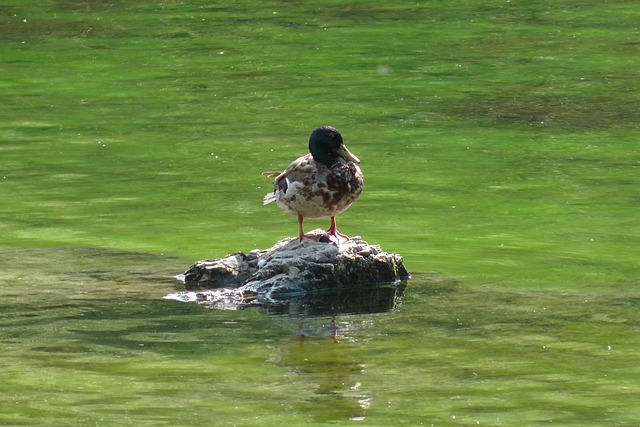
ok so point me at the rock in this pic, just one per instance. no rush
(290, 269)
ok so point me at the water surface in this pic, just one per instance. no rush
(499, 146)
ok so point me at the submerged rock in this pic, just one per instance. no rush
(289, 270)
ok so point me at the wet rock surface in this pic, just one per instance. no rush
(293, 270)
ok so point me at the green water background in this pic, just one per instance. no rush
(499, 142)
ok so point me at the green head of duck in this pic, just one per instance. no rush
(326, 145)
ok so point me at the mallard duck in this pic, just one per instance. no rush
(321, 184)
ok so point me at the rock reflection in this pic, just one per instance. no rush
(352, 301)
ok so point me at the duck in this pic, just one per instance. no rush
(323, 183)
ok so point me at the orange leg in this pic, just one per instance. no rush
(333, 231)
(300, 219)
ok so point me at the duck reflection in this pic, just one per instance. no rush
(323, 357)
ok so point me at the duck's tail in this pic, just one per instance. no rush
(271, 197)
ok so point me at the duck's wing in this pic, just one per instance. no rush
(297, 172)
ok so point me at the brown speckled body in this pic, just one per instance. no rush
(313, 190)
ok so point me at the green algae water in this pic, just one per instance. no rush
(499, 143)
